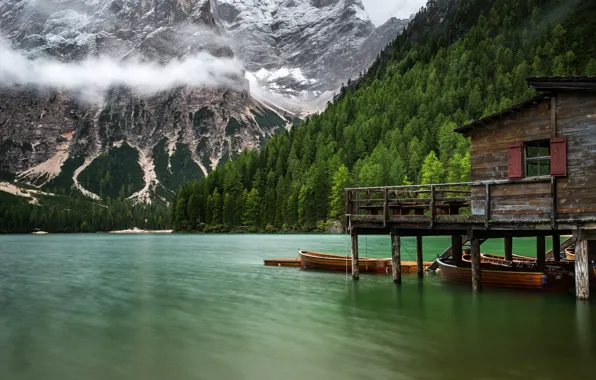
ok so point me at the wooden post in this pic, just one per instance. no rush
(508, 248)
(557, 247)
(541, 253)
(432, 206)
(582, 278)
(553, 202)
(456, 249)
(348, 210)
(355, 261)
(395, 257)
(476, 271)
(486, 206)
(419, 257)
(385, 208)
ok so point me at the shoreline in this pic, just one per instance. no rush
(140, 231)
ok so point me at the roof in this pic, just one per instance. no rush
(525, 104)
(562, 83)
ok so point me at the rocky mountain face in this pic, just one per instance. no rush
(143, 146)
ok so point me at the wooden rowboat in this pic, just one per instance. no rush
(325, 261)
(509, 277)
(519, 262)
(570, 254)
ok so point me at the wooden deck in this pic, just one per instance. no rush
(443, 209)
(293, 262)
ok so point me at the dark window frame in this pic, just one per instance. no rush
(538, 157)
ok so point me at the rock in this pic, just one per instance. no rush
(295, 50)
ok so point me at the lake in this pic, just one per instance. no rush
(104, 306)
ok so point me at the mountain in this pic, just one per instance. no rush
(298, 52)
(143, 146)
(457, 61)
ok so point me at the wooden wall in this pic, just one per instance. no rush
(489, 161)
(514, 199)
(576, 119)
(489, 143)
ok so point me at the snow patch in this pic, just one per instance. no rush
(284, 72)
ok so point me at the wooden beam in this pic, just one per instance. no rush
(355, 261)
(385, 208)
(487, 206)
(456, 249)
(476, 271)
(508, 245)
(541, 253)
(432, 206)
(582, 278)
(556, 247)
(553, 202)
(395, 257)
(419, 257)
(553, 115)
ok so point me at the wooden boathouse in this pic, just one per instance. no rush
(533, 174)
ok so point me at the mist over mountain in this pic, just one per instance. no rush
(132, 98)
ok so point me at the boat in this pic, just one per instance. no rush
(501, 275)
(519, 262)
(570, 254)
(325, 261)
(293, 262)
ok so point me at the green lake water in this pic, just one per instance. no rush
(102, 306)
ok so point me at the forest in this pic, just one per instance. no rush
(456, 62)
(75, 213)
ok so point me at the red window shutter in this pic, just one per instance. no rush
(515, 153)
(558, 156)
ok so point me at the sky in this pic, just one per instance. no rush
(382, 10)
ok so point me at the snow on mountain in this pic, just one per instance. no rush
(295, 54)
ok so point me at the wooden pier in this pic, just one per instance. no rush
(533, 175)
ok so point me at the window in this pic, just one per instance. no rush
(537, 158)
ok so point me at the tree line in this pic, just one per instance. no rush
(75, 213)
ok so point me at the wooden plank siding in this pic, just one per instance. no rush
(576, 119)
(513, 199)
(489, 162)
(489, 143)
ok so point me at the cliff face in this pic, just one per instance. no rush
(144, 146)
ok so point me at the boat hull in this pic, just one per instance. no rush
(323, 261)
(517, 279)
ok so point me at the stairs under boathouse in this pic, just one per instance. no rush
(533, 174)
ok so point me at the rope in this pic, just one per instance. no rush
(410, 256)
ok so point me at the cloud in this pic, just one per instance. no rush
(380, 11)
(93, 76)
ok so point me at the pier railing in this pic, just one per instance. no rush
(417, 203)
(531, 200)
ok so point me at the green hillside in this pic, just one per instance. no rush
(457, 61)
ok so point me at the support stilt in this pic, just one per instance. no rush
(476, 271)
(582, 278)
(395, 257)
(355, 261)
(541, 253)
(557, 247)
(456, 249)
(419, 257)
(508, 248)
